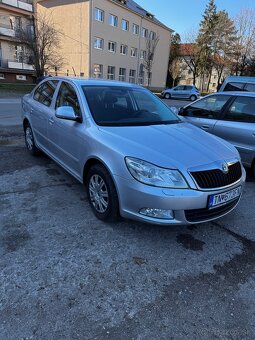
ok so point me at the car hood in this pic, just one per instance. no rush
(172, 145)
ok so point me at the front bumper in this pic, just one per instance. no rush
(185, 203)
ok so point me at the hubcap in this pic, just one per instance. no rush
(98, 193)
(29, 138)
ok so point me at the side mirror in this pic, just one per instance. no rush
(67, 112)
(181, 111)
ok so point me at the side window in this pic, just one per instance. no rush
(68, 97)
(178, 88)
(242, 110)
(250, 87)
(188, 87)
(209, 107)
(44, 93)
(234, 87)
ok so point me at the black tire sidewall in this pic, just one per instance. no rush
(112, 212)
(34, 151)
(193, 96)
(167, 96)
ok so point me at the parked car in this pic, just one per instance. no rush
(229, 115)
(238, 83)
(181, 92)
(135, 156)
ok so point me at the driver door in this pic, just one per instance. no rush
(65, 136)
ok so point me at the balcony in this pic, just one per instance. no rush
(16, 65)
(25, 5)
(7, 30)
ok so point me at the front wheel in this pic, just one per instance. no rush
(193, 97)
(102, 194)
(29, 139)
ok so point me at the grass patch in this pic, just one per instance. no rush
(16, 88)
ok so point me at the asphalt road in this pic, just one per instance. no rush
(66, 275)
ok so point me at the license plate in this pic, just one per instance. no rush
(224, 197)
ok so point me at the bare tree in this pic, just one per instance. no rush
(245, 44)
(190, 53)
(175, 69)
(151, 45)
(42, 43)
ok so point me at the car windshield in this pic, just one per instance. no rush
(124, 106)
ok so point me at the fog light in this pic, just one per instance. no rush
(157, 213)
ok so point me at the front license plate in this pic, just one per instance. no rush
(224, 197)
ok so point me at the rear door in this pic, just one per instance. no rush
(205, 112)
(238, 127)
(40, 110)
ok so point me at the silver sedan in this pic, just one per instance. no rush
(136, 157)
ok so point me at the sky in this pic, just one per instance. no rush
(184, 15)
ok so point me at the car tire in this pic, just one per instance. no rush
(102, 194)
(167, 96)
(29, 140)
(193, 97)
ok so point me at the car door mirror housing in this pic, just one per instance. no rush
(68, 113)
(182, 111)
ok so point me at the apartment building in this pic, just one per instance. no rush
(15, 63)
(109, 39)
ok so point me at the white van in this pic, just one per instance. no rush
(238, 83)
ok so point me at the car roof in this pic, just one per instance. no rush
(92, 81)
(235, 93)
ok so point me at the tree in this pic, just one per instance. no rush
(245, 44)
(174, 55)
(151, 45)
(205, 40)
(223, 44)
(174, 69)
(43, 45)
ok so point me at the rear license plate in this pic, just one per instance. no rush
(224, 197)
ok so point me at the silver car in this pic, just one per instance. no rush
(135, 156)
(181, 92)
(229, 115)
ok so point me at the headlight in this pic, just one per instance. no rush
(150, 174)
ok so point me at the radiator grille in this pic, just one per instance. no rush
(216, 178)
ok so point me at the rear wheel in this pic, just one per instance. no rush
(29, 139)
(102, 194)
(167, 96)
(193, 97)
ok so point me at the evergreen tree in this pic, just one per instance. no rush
(174, 54)
(206, 38)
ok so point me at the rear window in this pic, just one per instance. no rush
(250, 87)
(234, 87)
(242, 110)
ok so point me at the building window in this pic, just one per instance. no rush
(98, 43)
(136, 29)
(152, 35)
(19, 53)
(98, 71)
(99, 15)
(113, 20)
(133, 52)
(143, 54)
(123, 49)
(112, 46)
(122, 74)
(144, 32)
(124, 25)
(2, 76)
(132, 76)
(111, 72)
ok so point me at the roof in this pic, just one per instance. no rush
(133, 6)
(92, 81)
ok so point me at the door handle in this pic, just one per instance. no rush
(31, 111)
(205, 127)
(51, 121)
